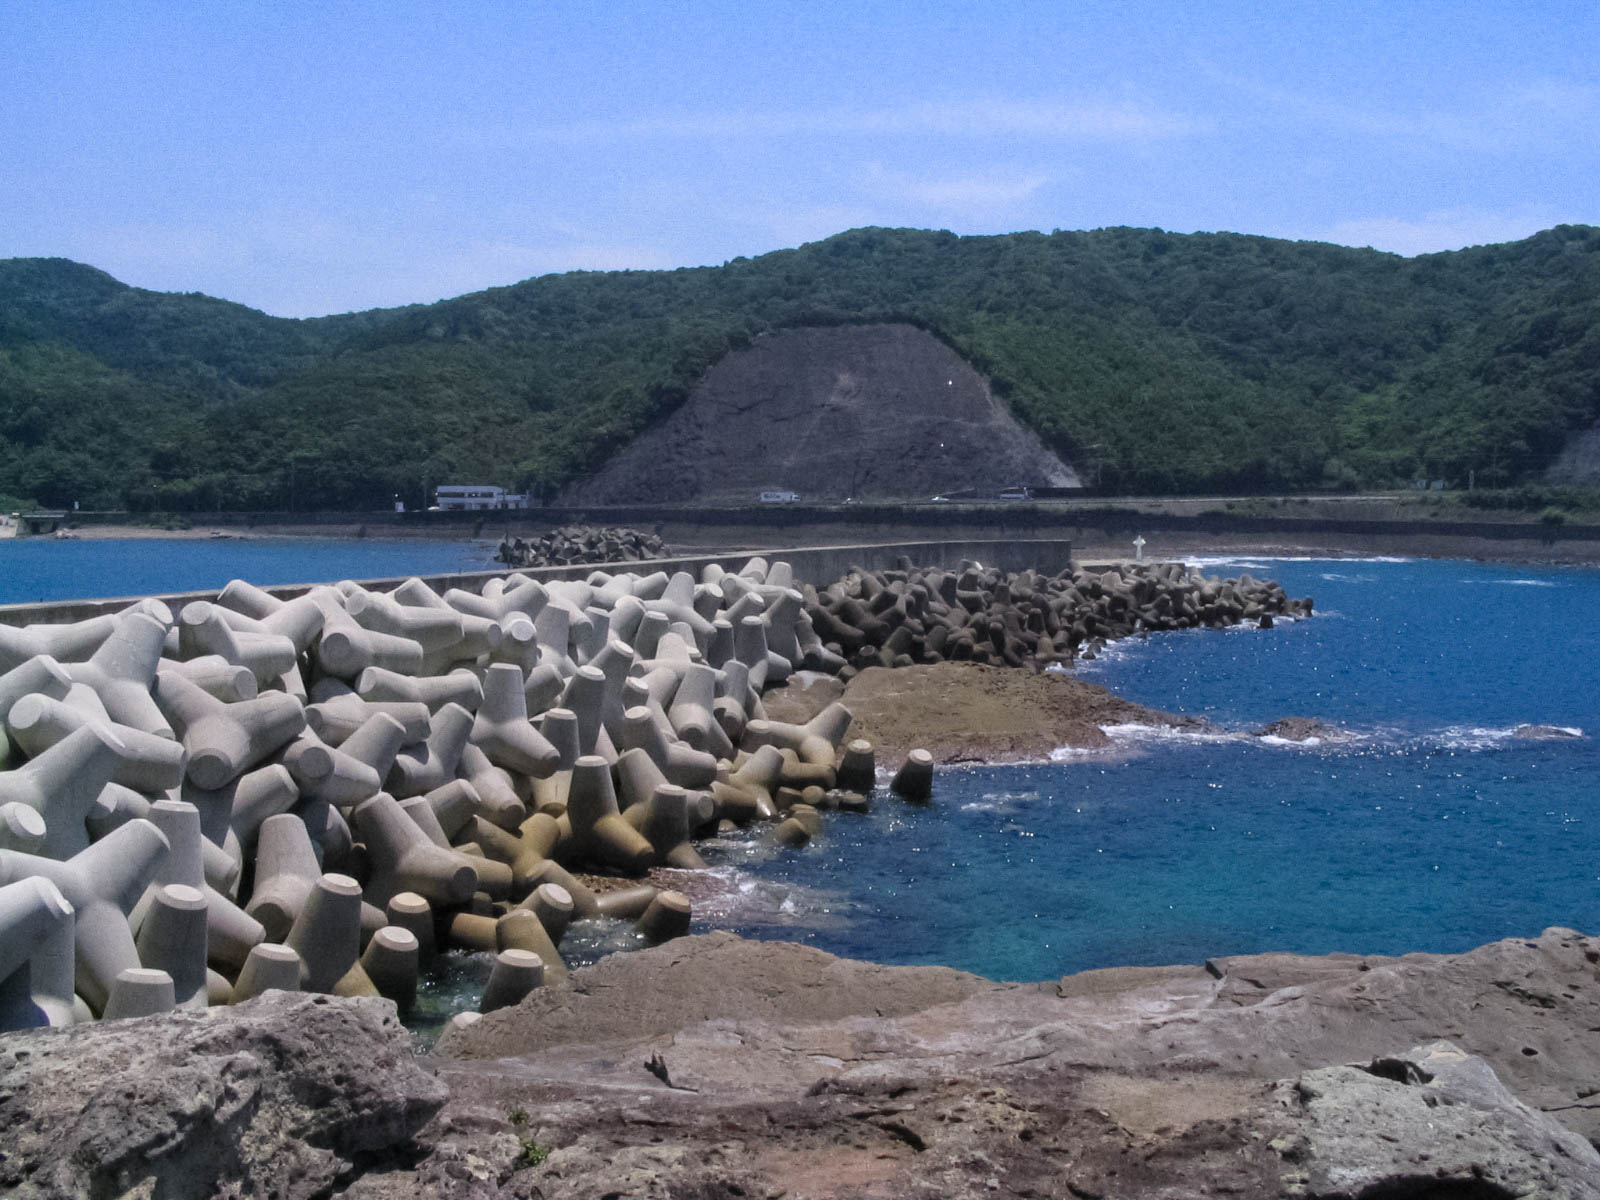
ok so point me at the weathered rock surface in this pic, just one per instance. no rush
(1432, 1121)
(284, 1096)
(715, 1067)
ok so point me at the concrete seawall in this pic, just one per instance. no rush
(817, 564)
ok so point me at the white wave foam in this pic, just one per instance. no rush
(1549, 583)
(1472, 737)
(1253, 562)
(1170, 734)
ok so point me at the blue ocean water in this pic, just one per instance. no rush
(35, 569)
(1433, 827)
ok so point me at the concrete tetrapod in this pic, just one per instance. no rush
(377, 742)
(559, 726)
(300, 620)
(258, 795)
(225, 740)
(346, 649)
(679, 762)
(375, 685)
(230, 932)
(519, 643)
(521, 929)
(404, 860)
(431, 628)
(746, 795)
(665, 825)
(691, 712)
(123, 669)
(286, 869)
(202, 631)
(585, 698)
(39, 675)
(327, 772)
(637, 780)
(508, 852)
(585, 904)
(327, 933)
(340, 714)
(21, 828)
(552, 904)
(63, 785)
(495, 877)
(432, 764)
(270, 965)
(497, 797)
(145, 762)
(552, 625)
(667, 917)
(64, 643)
(502, 730)
(172, 938)
(543, 688)
(454, 805)
(391, 960)
(514, 975)
(858, 769)
(139, 992)
(33, 912)
(599, 834)
(102, 884)
(614, 661)
(411, 912)
(914, 779)
(50, 977)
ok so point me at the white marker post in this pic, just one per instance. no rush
(1138, 548)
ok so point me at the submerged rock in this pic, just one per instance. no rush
(1300, 729)
(1546, 733)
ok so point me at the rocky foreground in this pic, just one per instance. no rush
(717, 1067)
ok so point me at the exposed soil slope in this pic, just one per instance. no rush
(879, 411)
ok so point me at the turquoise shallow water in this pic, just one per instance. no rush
(34, 569)
(1432, 828)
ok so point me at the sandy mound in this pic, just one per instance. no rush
(965, 711)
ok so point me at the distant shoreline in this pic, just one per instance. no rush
(1097, 546)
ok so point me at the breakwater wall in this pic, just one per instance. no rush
(821, 563)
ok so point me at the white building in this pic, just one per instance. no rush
(457, 496)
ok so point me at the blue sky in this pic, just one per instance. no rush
(307, 159)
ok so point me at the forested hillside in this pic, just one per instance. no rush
(1151, 361)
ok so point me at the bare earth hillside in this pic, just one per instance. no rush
(870, 411)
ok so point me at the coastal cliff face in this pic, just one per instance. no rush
(718, 1067)
(880, 411)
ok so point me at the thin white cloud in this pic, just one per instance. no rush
(1435, 231)
(1540, 113)
(980, 118)
(981, 195)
